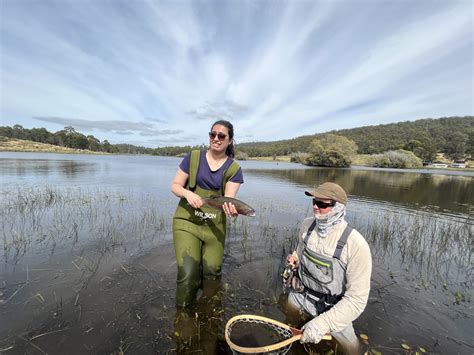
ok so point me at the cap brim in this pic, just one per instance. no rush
(318, 195)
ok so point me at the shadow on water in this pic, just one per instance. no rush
(93, 270)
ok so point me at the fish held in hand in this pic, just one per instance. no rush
(218, 201)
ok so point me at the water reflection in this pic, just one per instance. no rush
(45, 167)
(436, 192)
(91, 267)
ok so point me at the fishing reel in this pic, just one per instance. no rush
(287, 272)
(287, 275)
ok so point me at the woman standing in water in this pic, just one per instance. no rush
(199, 231)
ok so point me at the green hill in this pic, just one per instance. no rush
(449, 135)
(452, 136)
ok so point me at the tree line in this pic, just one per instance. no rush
(67, 137)
(453, 136)
(70, 138)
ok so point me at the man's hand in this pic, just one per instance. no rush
(311, 333)
(292, 260)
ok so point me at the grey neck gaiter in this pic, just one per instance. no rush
(326, 222)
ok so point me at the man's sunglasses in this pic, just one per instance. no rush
(322, 204)
(220, 136)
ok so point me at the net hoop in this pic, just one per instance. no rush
(267, 348)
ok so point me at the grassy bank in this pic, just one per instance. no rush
(364, 160)
(19, 145)
(360, 159)
(285, 158)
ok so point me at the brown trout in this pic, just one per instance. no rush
(241, 207)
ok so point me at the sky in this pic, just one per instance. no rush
(159, 73)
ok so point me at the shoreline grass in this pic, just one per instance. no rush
(19, 145)
(362, 160)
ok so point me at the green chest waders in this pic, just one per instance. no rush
(199, 237)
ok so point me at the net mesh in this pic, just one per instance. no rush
(274, 331)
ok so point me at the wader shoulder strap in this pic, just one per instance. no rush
(342, 241)
(193, 168)
(229, 174)
(310, 230)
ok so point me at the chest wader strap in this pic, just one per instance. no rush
(229, 174)
(340, 243)
(194, 168)
(310, 230)
(324, 301)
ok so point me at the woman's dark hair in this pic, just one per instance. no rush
(230, 151)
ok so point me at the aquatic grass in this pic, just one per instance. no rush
(47, 216)
(98, 226)
(264, 247)
(430, 244)
(89, 225)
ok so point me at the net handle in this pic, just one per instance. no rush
(262, 349)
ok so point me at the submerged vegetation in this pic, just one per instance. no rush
(95, 270)
(32, 217)
(437, 250)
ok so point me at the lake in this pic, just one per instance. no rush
(88, 262)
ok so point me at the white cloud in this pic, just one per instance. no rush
(162, 72)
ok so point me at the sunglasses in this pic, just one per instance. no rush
(221, 136)
(322, 204)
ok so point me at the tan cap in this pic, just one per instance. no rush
(329, 191)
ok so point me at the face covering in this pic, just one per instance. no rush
(326, 222)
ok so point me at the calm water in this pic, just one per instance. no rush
(88, 264)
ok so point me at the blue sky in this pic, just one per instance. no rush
(158, 73)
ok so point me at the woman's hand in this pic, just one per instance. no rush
(194, 200)
(229, 209)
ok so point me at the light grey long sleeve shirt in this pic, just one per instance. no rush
(357, 259)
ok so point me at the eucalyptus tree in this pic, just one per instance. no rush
(331, 150)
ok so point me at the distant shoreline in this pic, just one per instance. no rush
(18, 145)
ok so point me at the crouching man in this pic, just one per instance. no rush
(331, 267)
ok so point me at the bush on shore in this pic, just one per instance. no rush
(331, 150)
(240, 155)
(299, 157)
(396, 159)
